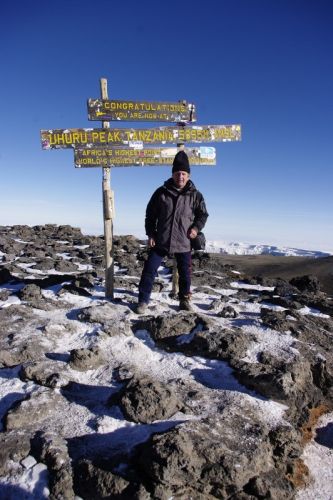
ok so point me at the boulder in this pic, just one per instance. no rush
(144, 400)
(215, 457)
(168, 326)
(31, 412)
(30, 293)
(65, 266)
(306, 283)
(97, 482)
(86, 359)
(41, 372)
(14, 446)
(228, 312)
(52, 450)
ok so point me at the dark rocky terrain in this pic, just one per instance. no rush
(270, 266)
(215, 403)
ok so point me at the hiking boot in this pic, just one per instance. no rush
(184, 305)
(141, 308)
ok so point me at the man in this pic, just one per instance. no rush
(175, 214)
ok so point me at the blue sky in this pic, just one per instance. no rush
(262, 63)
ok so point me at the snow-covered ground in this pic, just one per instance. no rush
(216, 379)
(238, 248)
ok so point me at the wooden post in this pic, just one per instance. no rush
(107, 212)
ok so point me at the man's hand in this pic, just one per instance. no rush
(151, 242)
(192, 233)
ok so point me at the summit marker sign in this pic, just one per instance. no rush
(131, 157)
(87, 137)
(128, 147)
(116, 110)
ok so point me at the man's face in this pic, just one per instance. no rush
(180, 179)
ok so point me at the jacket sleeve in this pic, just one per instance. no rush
(152, 212)
(200, 213)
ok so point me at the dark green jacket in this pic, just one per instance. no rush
(171, 213)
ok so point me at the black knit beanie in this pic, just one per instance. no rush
(181, 163)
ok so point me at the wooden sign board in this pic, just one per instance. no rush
(88, 137)
(122, 157)
(178, 112)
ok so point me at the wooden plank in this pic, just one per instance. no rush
(59, 138)
(122, 157)
(101, 109)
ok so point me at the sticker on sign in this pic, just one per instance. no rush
(136, 144)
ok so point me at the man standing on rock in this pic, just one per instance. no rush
(175, 214)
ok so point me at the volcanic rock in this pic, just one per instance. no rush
(232, 443)
(14, 446)
(65, 266)
(86, 359)
(228, 312)
(32, 411)
(290, 382)
(306, 283)
(278, 320)
(167, 326)
(4, 295)
(222, 344)
(214, 456)
(44, 264)
(52, 450)
(144, 400)
(94, 481)
(76, 290)
(42, 372)
(30, 293)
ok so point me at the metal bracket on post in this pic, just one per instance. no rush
(107, 204)
(112, 205)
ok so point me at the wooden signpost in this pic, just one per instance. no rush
(108, 204)
(113, 147)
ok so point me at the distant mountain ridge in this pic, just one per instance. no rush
(235, 248)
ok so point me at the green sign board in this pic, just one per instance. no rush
(106, 110)
(68, 138)
(122, 157)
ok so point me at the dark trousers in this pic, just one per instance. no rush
(184, 265)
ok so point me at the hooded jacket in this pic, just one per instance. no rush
(171, 213)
